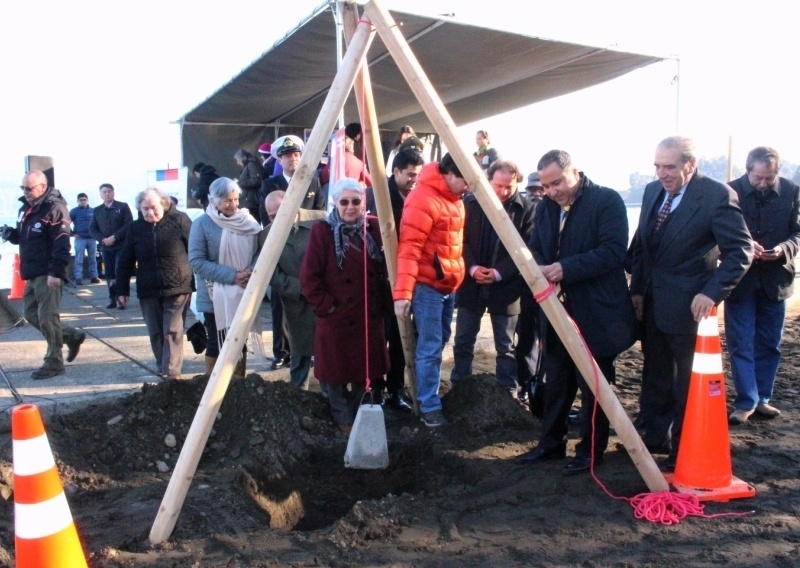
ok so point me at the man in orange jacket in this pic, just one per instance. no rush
(430, 268)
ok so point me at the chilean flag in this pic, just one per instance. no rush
(167, 175)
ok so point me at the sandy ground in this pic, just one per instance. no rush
(272, 489)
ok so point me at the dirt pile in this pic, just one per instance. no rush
(271, 488)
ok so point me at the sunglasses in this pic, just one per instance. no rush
(31, 188)
(356, 201)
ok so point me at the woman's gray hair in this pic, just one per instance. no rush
(221, 188)
(343, 184)
(142, 195)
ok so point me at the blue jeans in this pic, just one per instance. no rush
(433, 316)
(85, 245)
(753, 332)
(468, 324)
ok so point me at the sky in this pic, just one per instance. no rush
(99, 85)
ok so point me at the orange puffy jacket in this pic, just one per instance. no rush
(431, 237)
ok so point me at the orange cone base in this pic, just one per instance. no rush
(737, 489)
(62, 549)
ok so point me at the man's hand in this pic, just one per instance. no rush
(638, 305)
(701, 307)
(109, 241)
(767, 255)
(402, 308)
(53, 282)
(553, 272)
(484, 275)
(5, 232)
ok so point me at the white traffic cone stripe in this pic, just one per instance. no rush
(707, 364)
(32, 456)
(42, 519)
(708, 327)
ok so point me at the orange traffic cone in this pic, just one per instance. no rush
(17, 283)
(703, 467)
(45, 534)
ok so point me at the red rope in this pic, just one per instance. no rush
(665, 507)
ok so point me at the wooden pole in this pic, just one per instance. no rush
(437, 113)
(248, 308)
(380, 189)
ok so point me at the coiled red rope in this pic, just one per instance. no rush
(665, 507)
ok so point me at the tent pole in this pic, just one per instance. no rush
(443, 124)
(380, 187)
(220, 377)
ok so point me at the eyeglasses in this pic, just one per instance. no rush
(356, 201)
(31, 188)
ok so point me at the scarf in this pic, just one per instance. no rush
(344, 232)
(236, 249)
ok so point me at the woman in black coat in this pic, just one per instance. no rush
(157, 247)
(249, 181)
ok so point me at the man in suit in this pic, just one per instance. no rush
(579, 240)
(493, 281)
(287, 150)
(756, 309)
(406, 166)
(297, 312)
(691, 248)
(109, 226)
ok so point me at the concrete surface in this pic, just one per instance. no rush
(114, 360)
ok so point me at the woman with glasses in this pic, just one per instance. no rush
(343, 276)
(223, 247)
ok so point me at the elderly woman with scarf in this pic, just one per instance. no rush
(350, 300)
(222, 250)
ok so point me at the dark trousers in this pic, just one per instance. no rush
(528, 339)
(42, 308)
(280, 339)
(110, 271)
(563, 381)
(395, 376)
(665, 383)
(164, 320)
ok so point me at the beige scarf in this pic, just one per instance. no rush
(236, 249)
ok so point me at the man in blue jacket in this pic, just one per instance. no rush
(756, 309)
(81, 218)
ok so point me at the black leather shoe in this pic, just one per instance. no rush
(662, 448)
(398, 401)
(74, 348)
(579, 465)
(276, 364)
(540, 454)
(112, 305)
(46, 373)
(668, 464)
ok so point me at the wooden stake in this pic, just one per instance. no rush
(437, 113)
(380, 189)
(248, 308)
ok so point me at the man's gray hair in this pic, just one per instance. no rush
(763, 155)
(683, 144)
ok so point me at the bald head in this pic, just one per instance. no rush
(34, 185)
(273, 202)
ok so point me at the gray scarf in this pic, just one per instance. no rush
(343, 232)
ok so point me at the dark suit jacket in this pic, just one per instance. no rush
(315, 200)
(772, 219)
(501, 297)
(591, 253)
(706, 227)
(297, 312)
(396, 199)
